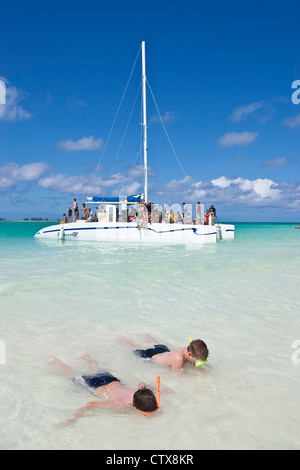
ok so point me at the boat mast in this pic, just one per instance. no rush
(145, 122)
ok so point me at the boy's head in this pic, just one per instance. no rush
(144, 400)
(198, 349)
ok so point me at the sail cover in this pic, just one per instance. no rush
(136, 198)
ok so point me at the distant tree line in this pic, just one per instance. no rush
(32, 219)
(35, 219)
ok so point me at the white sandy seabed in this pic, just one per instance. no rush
(241, 297)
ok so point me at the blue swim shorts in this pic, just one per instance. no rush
(148, 353)
(97, 380)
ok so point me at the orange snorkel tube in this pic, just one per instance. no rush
(157, 398)
(158, 391)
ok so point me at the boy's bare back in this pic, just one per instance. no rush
(118, 394)
(175, 359)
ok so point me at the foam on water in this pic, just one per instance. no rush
(63, 299)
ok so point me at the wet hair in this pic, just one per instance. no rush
(198, 349)
(144, 400)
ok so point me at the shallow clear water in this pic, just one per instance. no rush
(60, 298)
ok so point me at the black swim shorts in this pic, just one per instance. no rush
(148, 353)
(99, 380)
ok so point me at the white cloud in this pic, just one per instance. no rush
(86, 143)
(129, 189)
(176, 184)
(13, 110)
(11, 173)
(184, 189)
(241, 113)
(261, 188)
(235, 192)
(221, 182)
(278, 162)
(237, 138)
(75, 102)
(169, 116)
(115, 184)
(64, 183)
(137, 171)
(261, 110)
(292, 121)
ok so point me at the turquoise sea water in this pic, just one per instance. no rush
(60, 298)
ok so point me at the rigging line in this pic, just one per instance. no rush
(139, 151)
(123, 137)
(141, 145)
(186, 176)
(114, 121)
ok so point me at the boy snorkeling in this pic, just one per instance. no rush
(195, 354)
(106, 385)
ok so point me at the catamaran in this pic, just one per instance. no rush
(113, 223)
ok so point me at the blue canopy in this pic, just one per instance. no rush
(137, 198)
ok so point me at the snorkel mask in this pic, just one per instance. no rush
(198, 363)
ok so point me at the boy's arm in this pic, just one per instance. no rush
(151, 340)
(82, 410)
(127, 343)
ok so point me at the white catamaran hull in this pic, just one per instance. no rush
(129, 232)
(225, 231)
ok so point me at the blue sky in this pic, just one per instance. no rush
(221, 74)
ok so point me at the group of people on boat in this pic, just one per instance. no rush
(142, 213)
(149, 212)
(209, 217)
(73, 215)
(185, 217)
